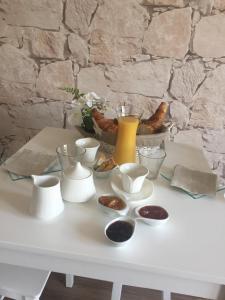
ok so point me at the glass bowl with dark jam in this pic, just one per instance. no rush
(119, 231)
(152, 214)
(113, 204)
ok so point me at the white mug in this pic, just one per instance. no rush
(133, 176)
(46, 202)
(91, 146)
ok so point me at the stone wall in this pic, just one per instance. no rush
(141, 51)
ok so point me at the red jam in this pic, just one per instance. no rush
(153, 212)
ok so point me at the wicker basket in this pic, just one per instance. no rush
(108, 140)
(142, 140)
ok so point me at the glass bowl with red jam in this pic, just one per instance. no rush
(113, 204)
(152, 214)
(120, 230)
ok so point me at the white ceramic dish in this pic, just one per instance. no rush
(153, 221)
(111, 211)
(132, 176)
(125, 219)
(91, 146)
(137, 198)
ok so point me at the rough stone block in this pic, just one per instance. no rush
(79, 49)
(15, 92)
(213, 87)
(46, 14)
(38, 115)
(47, 44)
(169, 34)
(204, 6)
(144, 78)
(219, 4)
(78, 15)
(214, 140)
(117, 37)
(175, 3)
(92, 80)
(15, 66)
(179, 114)
(186, 80)
(17, 79)
(209, 38)
(106, 49)
(54, 76)
(206, 114)
(6, 121)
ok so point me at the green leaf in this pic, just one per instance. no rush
(74, 91)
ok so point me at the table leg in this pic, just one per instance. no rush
(69, 280)
(116, 291)
(221, 295)
(166, 295)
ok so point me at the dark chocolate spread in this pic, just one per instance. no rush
(153, 212)
(119, 231)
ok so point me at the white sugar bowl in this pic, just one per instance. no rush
(77, 184)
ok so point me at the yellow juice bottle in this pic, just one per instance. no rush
(126, 140)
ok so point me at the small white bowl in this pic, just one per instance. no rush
(112, 211)
(103, 174)
(129, 221)
(161, 215)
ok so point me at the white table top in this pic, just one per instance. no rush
(191, 245)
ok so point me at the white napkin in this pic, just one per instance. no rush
(28, 162)
(194, 181)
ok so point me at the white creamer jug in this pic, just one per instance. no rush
(77, 184)
(46, 202)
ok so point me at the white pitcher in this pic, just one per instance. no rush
(46, 202)
(133, 176)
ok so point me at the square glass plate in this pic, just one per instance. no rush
(30, 162)
(52, 169)
(187, 156)
(194, 196)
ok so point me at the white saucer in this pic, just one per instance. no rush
(136, 198)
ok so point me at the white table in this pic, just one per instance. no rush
(187, 255)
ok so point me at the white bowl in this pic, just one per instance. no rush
(161, 215)
(104, 173)
(128, 220)
(112, 211)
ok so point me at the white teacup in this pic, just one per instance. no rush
(133, 176)
(91, 146)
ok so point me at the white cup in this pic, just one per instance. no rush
(133, 176)
(46, 202)
(91, 146)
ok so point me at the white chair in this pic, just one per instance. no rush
(116, 288)
(21, 283)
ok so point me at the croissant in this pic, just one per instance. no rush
(108, 125)
(155, 122)
(149, 126)
(97, 115)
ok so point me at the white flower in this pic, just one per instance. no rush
(81, 107)
(90, 99)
